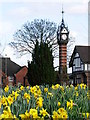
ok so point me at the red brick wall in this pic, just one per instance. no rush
(20, 76)
(62, 56)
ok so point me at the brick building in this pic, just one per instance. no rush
(12, 73)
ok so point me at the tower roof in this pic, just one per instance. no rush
(62, 24)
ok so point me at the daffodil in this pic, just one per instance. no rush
(16, 95)
(50, 94)
(43, 112)
(38, 91)
(28, 87)
(52, 86)
(61, 110)
(23, 116)
(62, 88)
(33, 89)
(71, 86)
(76, 88)
(70, 104)
(6, 88)
(82, 85)
(27, 114)
(0, 104)
(55, 87)
(55, 115)
(13, 93)
(39, 102)
(10, 100)
(21, 88)
(26, 96)
(7, 113)
(77, 94)
(33, 113)
(64, 115)
(45, 89)
(87, 115)
(59, 103)
(4, 101)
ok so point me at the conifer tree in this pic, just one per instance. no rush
(41, 70)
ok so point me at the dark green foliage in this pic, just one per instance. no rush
(41, 70)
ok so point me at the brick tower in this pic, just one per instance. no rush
(62, 38)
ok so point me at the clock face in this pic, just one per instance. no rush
(64, 36)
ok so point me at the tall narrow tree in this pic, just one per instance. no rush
(41, 70)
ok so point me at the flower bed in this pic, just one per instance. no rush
(44, 102)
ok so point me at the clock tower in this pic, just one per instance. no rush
(62, 39)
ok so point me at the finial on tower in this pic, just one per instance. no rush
(62, 15)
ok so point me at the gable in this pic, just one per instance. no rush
(9, 67)
(83, 52)
(64, 30)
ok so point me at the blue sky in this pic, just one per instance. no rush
(13, 14)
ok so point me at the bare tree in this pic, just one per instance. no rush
(38, 30)
(70, 48)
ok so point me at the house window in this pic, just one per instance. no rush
(77, 62)
(10, 78)
(88, 67)
(82, 67)
(85, 66)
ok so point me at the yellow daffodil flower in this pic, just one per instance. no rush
(45, 89)
(6, 88)
(4, 101)
(21, 88)
(43, 112)
(10, 100)
(55, 115)
(39, 102)
(70, 104)
(34, 113)
(59, 103)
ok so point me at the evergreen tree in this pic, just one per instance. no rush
(41, 70)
